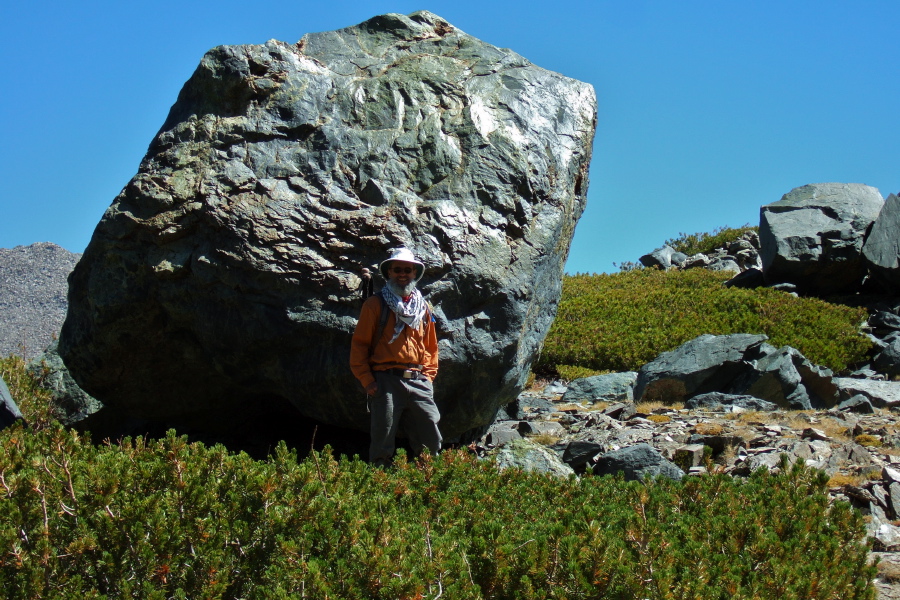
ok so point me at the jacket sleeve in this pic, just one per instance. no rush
(430, 364)
(362, 341)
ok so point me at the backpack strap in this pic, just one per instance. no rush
(382, 321)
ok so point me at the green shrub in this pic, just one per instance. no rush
(621, 321)
(169, 519)
(693, 243)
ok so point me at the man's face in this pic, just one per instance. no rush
(403, 275)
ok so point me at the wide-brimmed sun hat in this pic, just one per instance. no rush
(406, 255)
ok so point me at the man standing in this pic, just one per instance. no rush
(396, 359)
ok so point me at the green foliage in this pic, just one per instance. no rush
(692, 243)
(169, 519)
(571, 373)
(621, 321)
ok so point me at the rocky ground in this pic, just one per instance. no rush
(860, 452)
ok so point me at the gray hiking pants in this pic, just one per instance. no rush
(406, 402)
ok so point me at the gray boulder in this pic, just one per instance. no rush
(226, 273)
(529, 456)
(579, 454)
(718, 400)
(813, 237)
(881, 394)
(884, 321)
(9, 410)
(857, 404)
(610, 387)
(707, 363)
(663, 258)
(887, 360)
(501, 433)
(787, 378)
(71, 404)
(726, 264)
(637, 463)
(737, 364)
(882, 248)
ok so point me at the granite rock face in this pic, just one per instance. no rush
(882, 247)
(226, 273)
(813, 237)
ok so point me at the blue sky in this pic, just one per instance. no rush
(707, 110)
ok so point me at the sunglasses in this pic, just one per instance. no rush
(399, 270)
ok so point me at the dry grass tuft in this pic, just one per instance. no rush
(868, 440)
(659, 418)
(709, 428)
(544, 439)
(841, 479)
(650, 406)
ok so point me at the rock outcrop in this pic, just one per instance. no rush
(33, 291)
(225, 274)
(813, 237)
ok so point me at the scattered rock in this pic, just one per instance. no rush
(880, 393)
(663, 258)
(857, 404)
(611, 387)
(527, 455)
(735, 401)
(637, 463)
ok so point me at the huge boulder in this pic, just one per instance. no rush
(225, 275)
(813, 237)
(882, 248)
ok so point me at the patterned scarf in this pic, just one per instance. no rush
(408, 313)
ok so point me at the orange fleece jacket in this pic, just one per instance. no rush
(416, 347)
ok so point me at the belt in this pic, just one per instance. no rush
(404, 373)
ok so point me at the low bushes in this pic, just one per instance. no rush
(169, 519)
(703, 242)
(621, 321)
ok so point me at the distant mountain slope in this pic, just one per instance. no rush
(33, 291)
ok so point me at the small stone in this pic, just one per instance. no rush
(811, 433)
